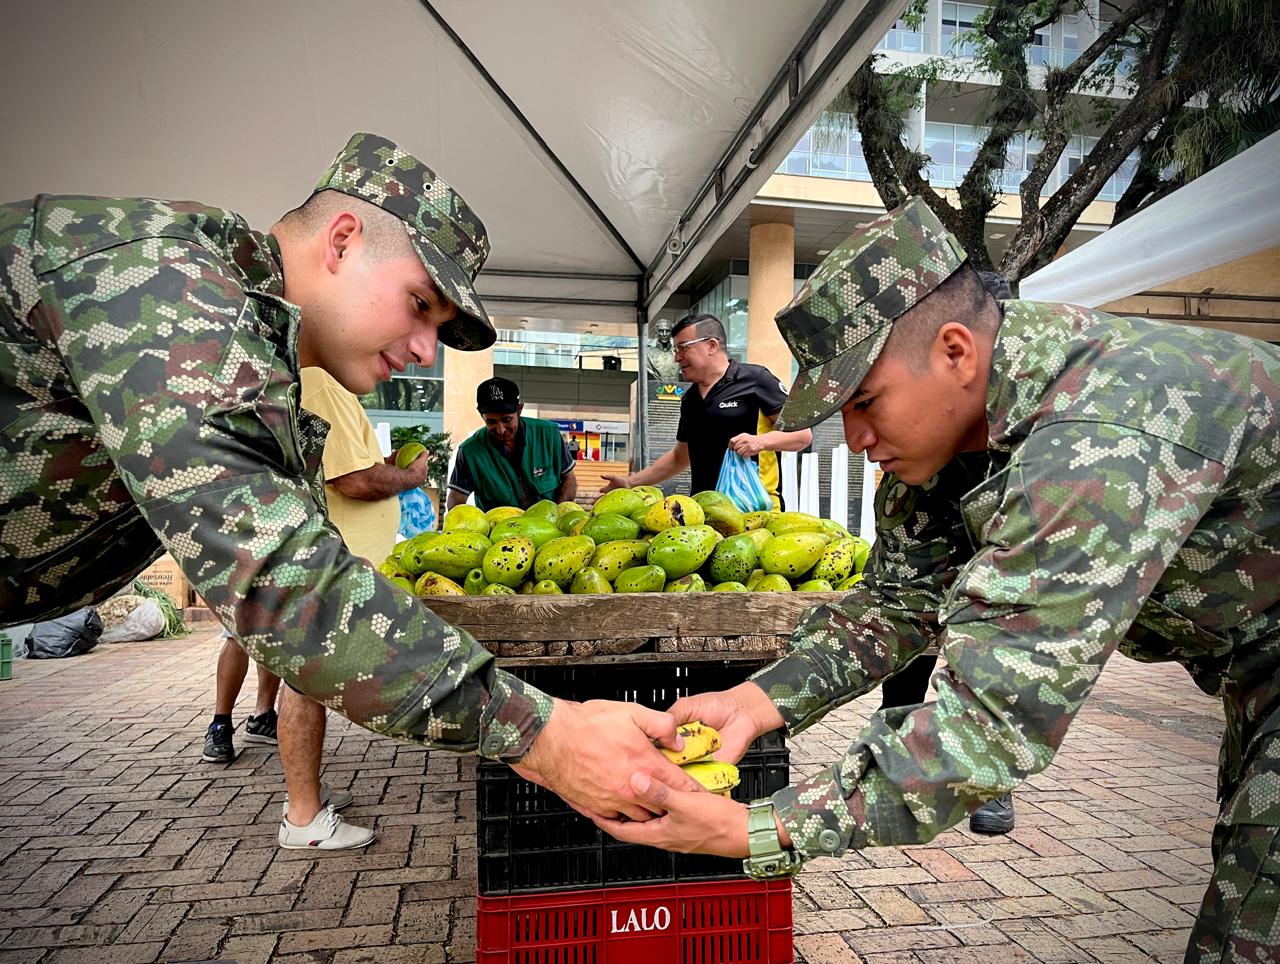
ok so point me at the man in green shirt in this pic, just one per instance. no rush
(512, 460)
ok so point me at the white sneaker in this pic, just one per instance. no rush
(329, 797)
(327, 831)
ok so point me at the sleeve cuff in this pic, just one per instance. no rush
(817, 817)
(796, 702)
(513, 718)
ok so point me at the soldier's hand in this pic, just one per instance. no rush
(693, 821)
(588, 752)
(740, 715)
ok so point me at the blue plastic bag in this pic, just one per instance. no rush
(740, 481)
(416, 513)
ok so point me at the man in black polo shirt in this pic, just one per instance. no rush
(729, 405)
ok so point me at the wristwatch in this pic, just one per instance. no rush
(768, 857)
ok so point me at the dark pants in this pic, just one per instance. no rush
(910, 686)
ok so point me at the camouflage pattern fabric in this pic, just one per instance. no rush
(840, 319)
(448, 236)
(149, 400)
(1130, 499)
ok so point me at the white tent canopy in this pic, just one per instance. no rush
(1229, 213)
(605, 143)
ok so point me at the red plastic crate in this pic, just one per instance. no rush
(719, 922)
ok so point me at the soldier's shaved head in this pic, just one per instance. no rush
(961, 298)
(383, 232)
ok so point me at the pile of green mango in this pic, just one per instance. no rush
(632, 540)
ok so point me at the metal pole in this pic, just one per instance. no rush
(640, 456)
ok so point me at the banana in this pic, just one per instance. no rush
(715, 776)
(699, 740)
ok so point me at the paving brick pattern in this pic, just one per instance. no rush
(118, 845)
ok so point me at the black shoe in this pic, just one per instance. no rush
(994, 816)
(218, 747)
(261, 729)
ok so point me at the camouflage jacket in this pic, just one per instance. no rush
(1129, 497)
(149, 399)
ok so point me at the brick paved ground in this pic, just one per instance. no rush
(118, 845)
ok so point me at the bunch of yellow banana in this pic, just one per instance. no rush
(700, 741)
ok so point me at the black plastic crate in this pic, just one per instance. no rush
(655, 684)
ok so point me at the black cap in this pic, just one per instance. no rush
(500, 395)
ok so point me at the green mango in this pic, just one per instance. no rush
(641, 579)
(391, 568)
(729, 587)
(733, 559)
(683, 549)
(814, 585)
(640, 513)
(650, 493)
(526, 587)
(494, 589)
(614, 557)
(834, 529)
(474, 584)
(861, 552)
(502, 513)
(773, 583)
(546, 510)
(783, 522)
(546, 587)
(560, 559)
(404, 582)
(618, 502)
(411, 553)
(409, 453)
(467, 517)
(690, 583)
(760, 537)
(397, 549)
(672, 512)
(753, 580)
(836, 562)
(453, 554)
(570, 519)
(508, 561)
(589, 580)
(792, 554)
(565, 507)
(538, 531)
(755, 520)
(610, 527)
(720, 512)
(847, 584)
(434, 584)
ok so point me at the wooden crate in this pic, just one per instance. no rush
(626, 627)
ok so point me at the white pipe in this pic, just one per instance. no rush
(787, 470)
(867, 520)
(840, 485)
(808, 470)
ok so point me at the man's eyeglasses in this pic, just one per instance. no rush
(679, 348)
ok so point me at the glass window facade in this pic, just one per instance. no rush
(727, 300)
(412, 397)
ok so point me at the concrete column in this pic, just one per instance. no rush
(915, 121)
(463, 371)
(933, 27)
(770, 285)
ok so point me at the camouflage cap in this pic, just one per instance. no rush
(839, 321)
(449, 238)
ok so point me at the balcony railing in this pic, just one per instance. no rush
(906, 41)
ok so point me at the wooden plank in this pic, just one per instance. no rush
(507, 662)
(624, 616)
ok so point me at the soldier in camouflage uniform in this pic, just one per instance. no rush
(149, 401)
(1078, 483)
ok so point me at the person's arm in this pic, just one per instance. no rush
(382, 481)
(217, 463)
(1070, 549)
(671, 464)
(749, 446)
(568, 487)
(461, 485)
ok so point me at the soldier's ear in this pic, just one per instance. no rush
(340, 238)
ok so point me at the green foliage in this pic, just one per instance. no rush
(437, 444)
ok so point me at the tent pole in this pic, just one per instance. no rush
(639, 456)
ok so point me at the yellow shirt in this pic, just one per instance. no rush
(368, 528)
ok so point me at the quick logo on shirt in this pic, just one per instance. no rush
(728, 404)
